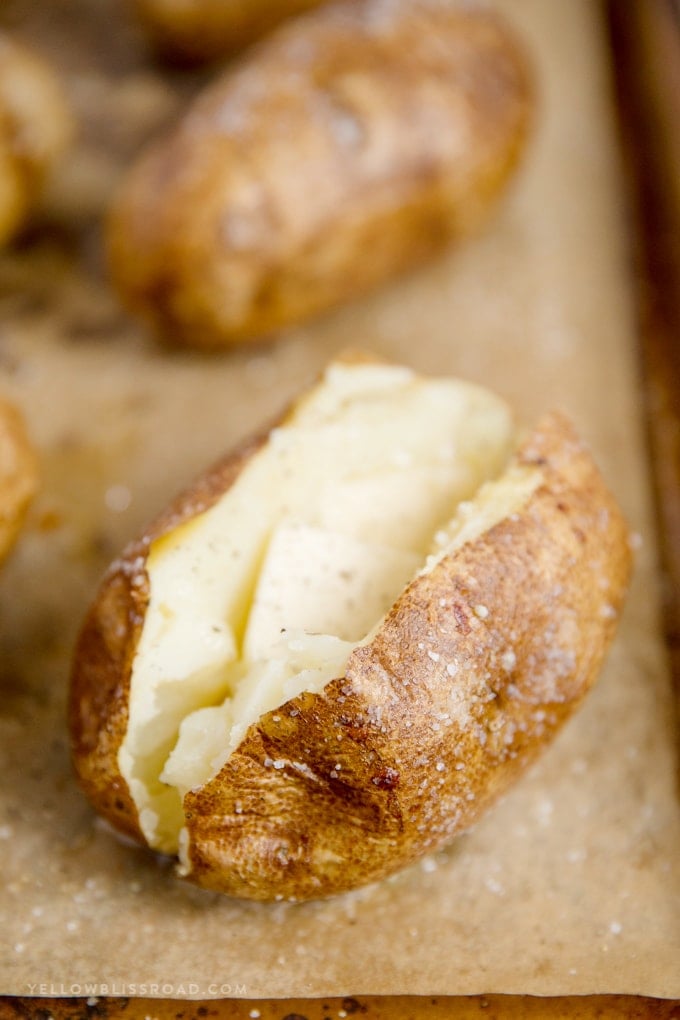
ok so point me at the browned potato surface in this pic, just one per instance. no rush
(197, 30)
(35, 127)
(330, 745)
(352, 144)
(18, 474)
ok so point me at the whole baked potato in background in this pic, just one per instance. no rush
(341, 644)
(195, 30)
(18, 474)
(35, 128)
(352, 144)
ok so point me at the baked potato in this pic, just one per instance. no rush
(196, 30)
(352, 144)
(35, 128)
(337, 648)
(18, 474)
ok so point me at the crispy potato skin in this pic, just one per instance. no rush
(544, 588)
(366, 777)
(197, 30)
(353, 144)
(18, 474)
(35, 127)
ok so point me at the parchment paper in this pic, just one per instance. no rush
(571, 885)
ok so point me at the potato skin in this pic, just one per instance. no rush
(544, 588)
(35, 128)
(334, 790)
(197, 30)
(351, 145)
(18, 474)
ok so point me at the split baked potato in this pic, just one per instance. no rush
(335, 650)
(195, 30)
(18, 474)
(35, 128)
(354, 143)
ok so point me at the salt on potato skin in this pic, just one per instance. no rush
(351, 145)
(343, 787)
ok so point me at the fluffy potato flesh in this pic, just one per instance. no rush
(266, 594)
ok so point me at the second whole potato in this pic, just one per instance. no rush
(354, 143)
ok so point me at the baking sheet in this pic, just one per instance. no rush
(572, 884)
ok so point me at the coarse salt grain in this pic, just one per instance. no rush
(494, 886)
(482, 612)
(543, 812)
(117, 498)
(508, 661)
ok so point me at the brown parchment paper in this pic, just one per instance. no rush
(571, 885)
